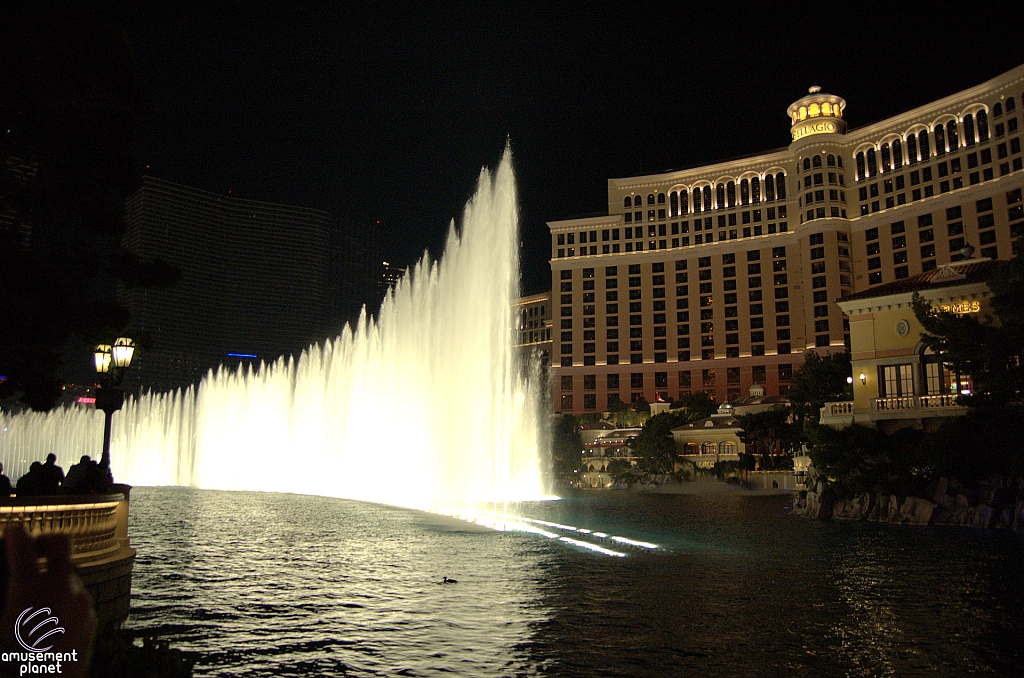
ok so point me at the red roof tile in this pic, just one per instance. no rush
(959, 273)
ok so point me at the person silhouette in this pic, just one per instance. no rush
(77, 474)
(52, 475)
(5, 484)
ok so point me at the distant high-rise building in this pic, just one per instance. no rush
(258, 280)
(390, 274)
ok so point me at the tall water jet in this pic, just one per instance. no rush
(425, 406)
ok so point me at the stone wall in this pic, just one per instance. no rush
(110, 584)
(993, 503)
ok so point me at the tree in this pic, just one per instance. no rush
(819, 380)
(699, 405)
(69, 113)
(566, 448)
(990, 349)
(654, 445)
(770, 430)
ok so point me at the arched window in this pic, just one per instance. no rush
(861, 172)
(912, 149)
(755, 189)
(839, 161)
(628, 202)
(673, 204)
(650, 198)
(816, 161)
(1010, 105)
(813, 110)
(872, 163)
(997, 110)
(684, 202)
(826, 108)
(769, 187)
(691, 448)
(708, 447)
(982, 119)
(969, 130)
(720, 196)
(831, 160)
(952, 136)
(897, 154)
(803, 113)
(728, 446)
(780, 186)
(807, 164)
(940, 140)
(730, 192)
(744, 192)
(886, 158)
(707, 198)
(661, 198)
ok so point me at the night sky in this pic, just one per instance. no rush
(388, 114)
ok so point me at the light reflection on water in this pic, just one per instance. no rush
(274, 584)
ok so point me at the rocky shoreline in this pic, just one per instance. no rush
(993, 503)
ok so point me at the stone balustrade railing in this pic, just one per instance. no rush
(98, 527)
(929, 402)
(90, 520)
(839, 409)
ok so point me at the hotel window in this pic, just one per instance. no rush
(952, 136)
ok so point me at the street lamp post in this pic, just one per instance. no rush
(111, 364)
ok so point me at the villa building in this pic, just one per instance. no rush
(717, 438)
(719, 277)
(897, 382)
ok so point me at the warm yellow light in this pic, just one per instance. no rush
(863, 378)
(102, 357)
(826, 108)
(124, 349)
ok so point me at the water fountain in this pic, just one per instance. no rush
(425, 406)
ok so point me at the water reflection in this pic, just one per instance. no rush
(270, 584)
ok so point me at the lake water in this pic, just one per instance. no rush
(291, 585)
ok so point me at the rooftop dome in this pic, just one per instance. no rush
(816, 112)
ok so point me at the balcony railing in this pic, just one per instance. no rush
(930, 403)
(844, 408)
(837, 413)
(96, 523)
(895, 403)
(937, 401)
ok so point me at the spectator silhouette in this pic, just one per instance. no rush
(5, 484)
(97, 479)
(52, 476)
(76, 475)
(30, 483)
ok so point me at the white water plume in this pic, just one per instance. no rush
(427, 406)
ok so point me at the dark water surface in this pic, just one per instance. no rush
(288, 585)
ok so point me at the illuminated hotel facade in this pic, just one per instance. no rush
(719, 277)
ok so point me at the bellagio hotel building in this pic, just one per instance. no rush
(719, 277)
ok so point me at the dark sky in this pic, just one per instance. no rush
(388, 113)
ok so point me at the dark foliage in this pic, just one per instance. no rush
(655, 446)
(69, 113)
(566, 448)
(819, 380)
(990, 349)
(698, 404)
